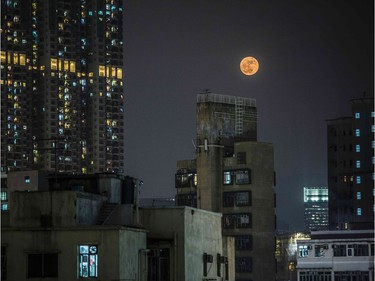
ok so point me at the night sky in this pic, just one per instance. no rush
(314, 57)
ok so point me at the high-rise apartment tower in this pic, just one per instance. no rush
(351, 162)
(62, 100)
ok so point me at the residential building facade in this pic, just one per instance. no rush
(350, 150)
(233, 174)
(92, 228)
(62, 99)
(336, 256)
(316, 208)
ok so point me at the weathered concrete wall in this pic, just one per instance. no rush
(196, 231)
(117, 250)
(202, 235)
(131, 253)
(67, 208)
(260, 159)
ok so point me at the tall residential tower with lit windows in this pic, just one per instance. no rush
(350, 149)
(62, 98)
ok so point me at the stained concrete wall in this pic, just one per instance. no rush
(192, 233)
(118, 250)
(66, 208)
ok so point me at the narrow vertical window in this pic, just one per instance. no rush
(359, 211)
(88, 261)
(359, 195)
(357, 132)
(357, 148)
(358, 179)
(357, 115)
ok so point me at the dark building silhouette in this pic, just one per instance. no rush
(350, 149)
(233, 174)
(62, 100)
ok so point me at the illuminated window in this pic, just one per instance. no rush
(101, 70)
(88, 261)
(66, 65)
(358, 164)
(227, 177)
(357, 132)
(359, 195)
(113, 71)
(54, 64)
(72, 66)
(357, 148)
(357, 115)
(107, 69)
(3, 56)
(119, 73)
(27, 179)
(15, 58)
(358, 179)
(359, 211)
(22, 59)
(4, 196)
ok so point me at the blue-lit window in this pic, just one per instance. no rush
(358, 179)
(357, 115)
(227, 177)
(88, 261)
(4, 207)
(358, 164)
(359, 195)
(27, 179)
(359, 211)
(4, 196)
(372, 114)
(372, 128)
(357, 132)
(357, 148)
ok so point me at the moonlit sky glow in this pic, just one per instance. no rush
(315, 56)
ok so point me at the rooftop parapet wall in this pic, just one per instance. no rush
(218, 98)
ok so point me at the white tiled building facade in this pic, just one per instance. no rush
(336, 256)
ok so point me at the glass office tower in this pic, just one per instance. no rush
(316, 208)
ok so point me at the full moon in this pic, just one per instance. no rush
(249, 66)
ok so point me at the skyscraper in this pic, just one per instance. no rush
(233, 174)
(350, 167)
(62, 100)
(316, 208)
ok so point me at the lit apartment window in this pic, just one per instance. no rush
(303, 251)
(357, 132)
(27, 179)
(372, 114)
(227, 177)
(4, 196)
(358, 179)
(88, 261)
(357, 148)
(359, 195)
(359, 211)
(358, 164)
(357, 115)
